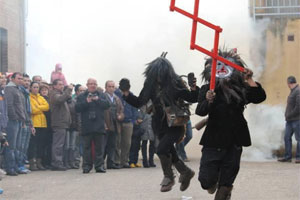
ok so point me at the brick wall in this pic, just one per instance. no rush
(12, 19)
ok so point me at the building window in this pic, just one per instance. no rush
(3, 50)
(291, 38)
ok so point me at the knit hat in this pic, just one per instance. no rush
(291, 79)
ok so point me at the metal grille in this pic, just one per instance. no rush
(275, 8)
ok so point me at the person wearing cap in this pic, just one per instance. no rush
(292, 117)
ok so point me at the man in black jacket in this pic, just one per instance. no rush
(91, 104)
(226, 131)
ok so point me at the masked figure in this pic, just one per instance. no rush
(226, 131)
(164, 88)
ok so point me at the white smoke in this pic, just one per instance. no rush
(110, 40)
(266, 124)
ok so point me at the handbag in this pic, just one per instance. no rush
(177, 114)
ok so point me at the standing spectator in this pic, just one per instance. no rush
(57, 74)
(124, 139)
(180, 148)
(113, 117)
(60, 121)
(44, 92)
(136, 140)
(27, 128)
(148, 136)
(79, 89)
(92, 104)
(292, 117)
(37, 78)
(72, 134)
(16, 118)
(37, 142)
(3, 107)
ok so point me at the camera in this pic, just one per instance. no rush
(92, 95)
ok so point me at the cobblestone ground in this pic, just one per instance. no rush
(256, 181)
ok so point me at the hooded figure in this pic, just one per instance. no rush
(227, 130)
(57, 74)
(164, 88)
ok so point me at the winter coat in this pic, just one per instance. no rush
(3, 111)
(147, 128)
(58, 75)
(92, 114)
(27, 104)
(292, 111)
(226, 125)
(15, 102)
(116, 109)
(60, 113)
(39, 105)
(74, 115)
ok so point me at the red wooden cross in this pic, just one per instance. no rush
(214, 53)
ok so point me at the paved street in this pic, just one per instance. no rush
(256, 181)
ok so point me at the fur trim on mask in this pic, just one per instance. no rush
(234, 87)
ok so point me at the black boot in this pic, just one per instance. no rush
(186, 174)
(144, 154)
(223, 193)
(151, 154)
(168, 180)
(39, 164)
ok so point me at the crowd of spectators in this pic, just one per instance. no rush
(59, 126)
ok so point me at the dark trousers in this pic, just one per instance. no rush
(151, 150)
(167, 139)
(37, 144)
(219, 165)
(110, 148)
(48, 147)
(134, 149)
(58, 142)
(99, 140)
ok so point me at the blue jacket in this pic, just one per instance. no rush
(130, 113)
(3, 111)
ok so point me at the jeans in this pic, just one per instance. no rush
(110, 149)
(188, 136)
(70, 141)
(292, 127)
(23, 144)
(134, 149)
(11, 152)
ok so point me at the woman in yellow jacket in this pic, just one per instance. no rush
(37, 142)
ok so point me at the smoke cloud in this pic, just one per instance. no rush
(109, 40)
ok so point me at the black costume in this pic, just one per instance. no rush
(226, 131)
(164, 86)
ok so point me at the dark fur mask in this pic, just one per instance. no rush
(233, 87)
(161, 77)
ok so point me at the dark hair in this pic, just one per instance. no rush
(77, 86)
(15, 74)
(55, 82)
(25, 75)
(291, 79)
(31, 84)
